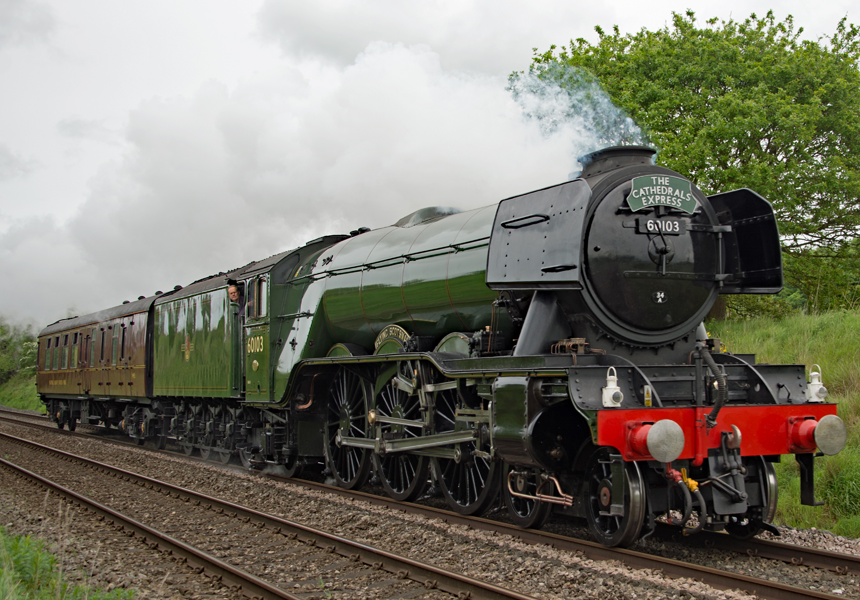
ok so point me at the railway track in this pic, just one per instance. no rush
(298, 543)
(838, 563)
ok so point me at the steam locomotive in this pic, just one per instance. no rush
(549, 348)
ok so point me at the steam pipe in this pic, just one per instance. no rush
(722, 392)
(688, 505)
(701, 501)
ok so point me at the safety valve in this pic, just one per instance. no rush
(612, 395)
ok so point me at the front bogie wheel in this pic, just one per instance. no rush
(520, 486)
(613, 521)
(750, 524)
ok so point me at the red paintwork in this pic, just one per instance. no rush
(765, 430)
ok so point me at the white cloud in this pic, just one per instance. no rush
(24, 22)
(494, 36)
(12, 165)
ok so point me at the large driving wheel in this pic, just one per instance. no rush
(528, 513)
(608, 529)
(404, 476)
(469, 483)
(750, 524)
(347, 415)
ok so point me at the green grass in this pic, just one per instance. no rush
(20, 392)
(831, 340)
(28, 572)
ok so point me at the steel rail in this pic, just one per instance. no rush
(251, 585)
(758, 548)
(640, 560)
(430, 576)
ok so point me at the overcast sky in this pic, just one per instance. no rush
(148, 144)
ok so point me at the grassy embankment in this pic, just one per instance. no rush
(20, 392)
(831, 340)
(28, 572)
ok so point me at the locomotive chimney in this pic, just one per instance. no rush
(614, 157)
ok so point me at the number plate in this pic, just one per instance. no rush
(664, 226)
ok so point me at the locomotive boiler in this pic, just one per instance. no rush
(548, 349)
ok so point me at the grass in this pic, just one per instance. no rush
(29, 572)
(20, 392)
(831, 340)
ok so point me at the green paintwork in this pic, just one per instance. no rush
(511, 419)
(257, 381)
(454, 343)
(193, 346)
(428, 279)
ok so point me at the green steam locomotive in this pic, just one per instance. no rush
(547, 350)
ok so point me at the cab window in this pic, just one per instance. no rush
(256, 307)
(251, 303)
(262, 297)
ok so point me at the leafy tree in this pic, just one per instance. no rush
(742, 104)
(18, 351)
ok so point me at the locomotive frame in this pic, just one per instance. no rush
(548, 349)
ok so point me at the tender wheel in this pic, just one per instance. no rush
(611, 530)
(347, 415)
(750, 524)
(292, 467)
(246, 456)
(404, 476)
(468, 483)
(525, 512)
(188, 436)
(222, 456)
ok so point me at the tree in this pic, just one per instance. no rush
(742, 104)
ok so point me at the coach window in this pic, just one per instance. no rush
(76, 339)
(65, 364)
(93, 347)
(56, 353)
(102, 354)
(48, 355)
(114, 346)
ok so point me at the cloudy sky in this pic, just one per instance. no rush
(145, 144)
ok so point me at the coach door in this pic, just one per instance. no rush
(257, 379)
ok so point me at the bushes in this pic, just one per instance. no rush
(18, 363)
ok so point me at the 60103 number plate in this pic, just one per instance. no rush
(664, 226)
